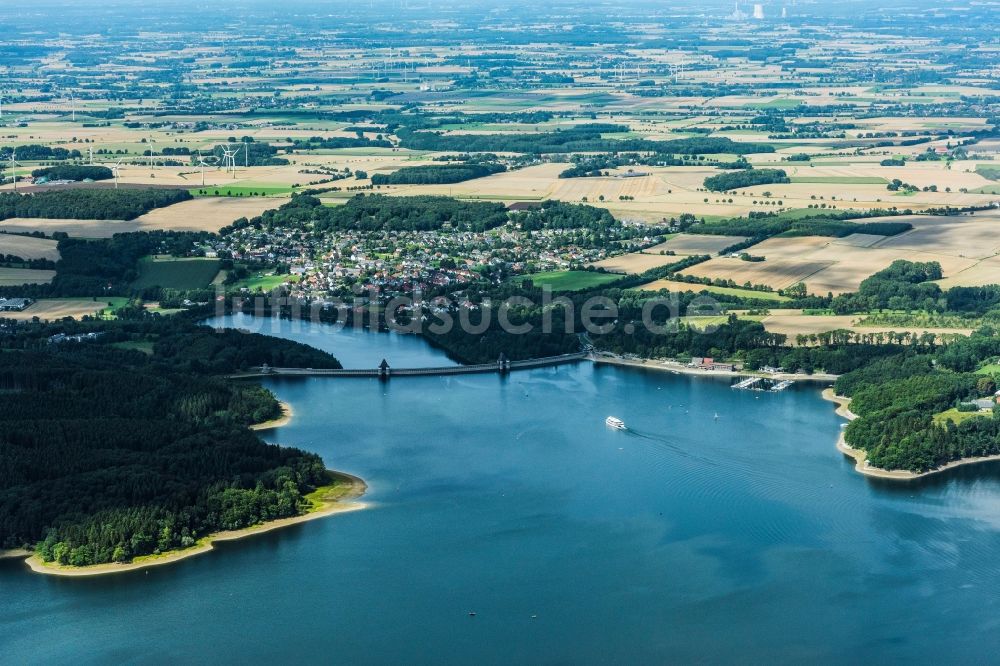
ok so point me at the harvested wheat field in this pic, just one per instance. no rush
(75, 228)
(51, 309)
(986, 271)
(205, 213)
(635, 262)
(15, 277)
(962, 245)
(688, 244)
(28, 247)
(973, 236)
(793, 323)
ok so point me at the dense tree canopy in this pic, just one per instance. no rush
(89, 204)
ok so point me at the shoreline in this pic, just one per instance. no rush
(680, 369)
(338, 497)
(861, 458)
(287, 414)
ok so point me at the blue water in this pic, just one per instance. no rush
(353, 347)
(748, 538)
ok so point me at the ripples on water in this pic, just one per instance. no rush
(685, 538)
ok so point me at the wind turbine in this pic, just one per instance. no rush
(202, 162)
(229, 155)
(13, 166)
(116, 169)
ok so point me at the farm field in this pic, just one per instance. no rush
(51, 309)
(264, 282)
(15, 277)
(635, 262)
(793, 323)
(205, 213)
(570, 280)
(675, 286)
(965, 246)
(172, 273)
(75, 228)
(690, 244)
(29, 247)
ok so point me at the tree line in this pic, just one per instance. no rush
(88, 204)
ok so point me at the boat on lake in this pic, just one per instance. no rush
(614, 422)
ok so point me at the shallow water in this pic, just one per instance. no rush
(745, 538)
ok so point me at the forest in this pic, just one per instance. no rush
(430, 174)
(89, 204)
(762, 225)
(578, 139)
(74, 172)
(897, 398)
(106, 266)
(745, 178)
(378, 212)
(108, 453)
(34, 152)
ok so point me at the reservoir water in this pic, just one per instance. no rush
(748, 538)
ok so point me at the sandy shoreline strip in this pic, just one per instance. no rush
(287, 414)
(681, 369)
(341, 499)
(861, 458)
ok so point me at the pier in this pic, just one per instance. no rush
(756, 383)
(384, 371)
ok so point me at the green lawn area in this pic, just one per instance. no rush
(145, 346)
(172, 273)
(263, 282)
(780, 103)
(991, 369)
(112, 303)
(841, 180)
(988, 189)
(956, 416)
(240, 190)
(570, 280)
(988, 171)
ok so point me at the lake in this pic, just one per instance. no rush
(687, 538)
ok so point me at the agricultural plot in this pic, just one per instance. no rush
(264, 282)
(635, 262)
(793, 323)
(690, 244)
(173, 273)
(681, 287)
(205, 214)
(15, 277)
(75, 228)
(965, 246)
(570, 280)
(52, 309)
(29, 247)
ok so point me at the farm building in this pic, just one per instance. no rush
(14, 304)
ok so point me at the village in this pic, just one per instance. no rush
(338, 263)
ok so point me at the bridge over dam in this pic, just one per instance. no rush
(384, 371)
